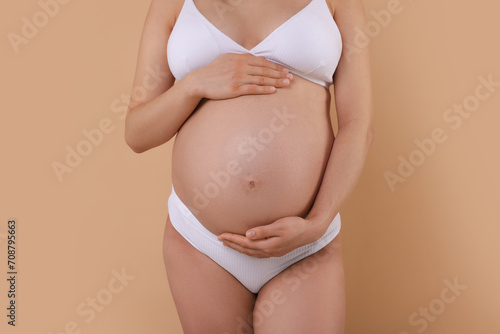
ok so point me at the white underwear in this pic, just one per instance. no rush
(252, 272)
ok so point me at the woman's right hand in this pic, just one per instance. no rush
(231, 75)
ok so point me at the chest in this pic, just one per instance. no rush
(249, 22)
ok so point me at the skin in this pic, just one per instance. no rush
(156, 118)
(273, 178)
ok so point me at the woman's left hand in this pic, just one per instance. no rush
(276, 239)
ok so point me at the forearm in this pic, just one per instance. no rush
(342, 172)
(153, 123)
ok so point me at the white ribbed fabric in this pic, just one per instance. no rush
(309, 43)
(252, 272)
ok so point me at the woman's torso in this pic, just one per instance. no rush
(247, 161)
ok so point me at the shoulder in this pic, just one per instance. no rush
(166, 10)
(343, 8)
(348, 14)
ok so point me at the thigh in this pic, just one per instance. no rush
(307, 297)
(208, 299)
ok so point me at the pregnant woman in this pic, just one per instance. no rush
(252, 239)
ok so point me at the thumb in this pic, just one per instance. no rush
(261, 232)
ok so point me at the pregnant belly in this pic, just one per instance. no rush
(245, 162)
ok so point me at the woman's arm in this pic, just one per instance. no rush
(353, 99)
(157, 108)
(163, 107)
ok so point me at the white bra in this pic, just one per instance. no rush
(309, 43)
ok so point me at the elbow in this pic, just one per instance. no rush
(129, 136)
(134, 147)
(132, 137)
(133, 143)
(140, 143)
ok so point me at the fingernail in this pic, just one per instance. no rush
(285, 69)
(289, 76)
(251, 234)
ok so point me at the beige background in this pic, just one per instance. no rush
(108, 214)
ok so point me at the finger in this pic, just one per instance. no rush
(252, 89)
(242, 241)
(246, 251)
(263, 232)
(236, 238)
(262, 80)
(268, 72)
(261, 61)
